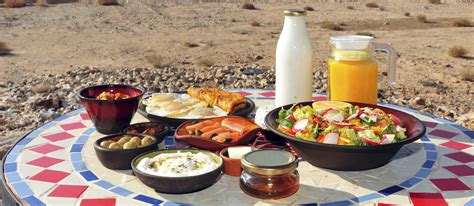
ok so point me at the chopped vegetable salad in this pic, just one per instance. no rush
(340, 123)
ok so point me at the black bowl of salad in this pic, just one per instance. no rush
(344, 136)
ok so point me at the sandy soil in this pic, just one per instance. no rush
(55, 38)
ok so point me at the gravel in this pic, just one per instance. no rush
(30, 103)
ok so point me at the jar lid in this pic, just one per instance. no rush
(269, 162)
(294, 12)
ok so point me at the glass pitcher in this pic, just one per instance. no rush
(352, 73)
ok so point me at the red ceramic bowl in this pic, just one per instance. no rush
(111, 116)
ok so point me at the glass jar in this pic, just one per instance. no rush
(269, 174)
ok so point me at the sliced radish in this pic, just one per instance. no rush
(369, 141)
(331, 138)
(300, 125)
(400, 129)
(387, 138)
(355, 115)
(333, 115)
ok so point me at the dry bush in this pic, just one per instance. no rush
(457, 51)
(434, 1)
(467, 74)
(156, 61)
(407, 14)
(249, 6)
(372, 5)
(14, 3)
(255, 23)
(331, 26)
(365, 33)
(308, 8)
(4, 49)
(107, 2)
(350, 7)
(205, 62)
(421, 18)
(41, 3)
(381, 8)
(190, 44)
(462, 23)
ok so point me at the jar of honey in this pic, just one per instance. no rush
(269, 174)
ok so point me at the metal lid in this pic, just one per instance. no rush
(294, 12)
(269, 162)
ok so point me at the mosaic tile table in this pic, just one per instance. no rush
(56, 165)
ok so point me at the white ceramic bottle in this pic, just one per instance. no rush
(294, 73)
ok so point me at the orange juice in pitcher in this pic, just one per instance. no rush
(352, 74)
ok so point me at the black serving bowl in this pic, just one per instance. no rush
(120, 159)
(111, 116)
(349, 158)
(162, 129)
(178, 185)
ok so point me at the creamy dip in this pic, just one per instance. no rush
(179, 164)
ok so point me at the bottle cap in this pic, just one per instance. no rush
(269, 162)
(295, 12)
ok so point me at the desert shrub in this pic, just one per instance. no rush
(190, 44)
(381, 8)
(350, 7)
(233, 20)
(365, 33)
(205, 62)
(467, 74)
(14, 3)
(462, 23)
(372, 5)
(255, 23)
(331, 26)
(308, 8)
(4, 49)
(249, 6)
(457, 51)
(407, 14)
(107, 2)
(434, 1)
(156, 61)
(421, 18)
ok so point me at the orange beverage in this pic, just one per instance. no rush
(352, 74)
(353, 81)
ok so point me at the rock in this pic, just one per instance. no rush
(420, 101)
(252, 71)
(258, 57)
(41, 87)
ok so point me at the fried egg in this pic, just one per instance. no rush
(180, 106)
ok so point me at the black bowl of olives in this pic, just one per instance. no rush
(117, 151)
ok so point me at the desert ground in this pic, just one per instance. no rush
(59, 48)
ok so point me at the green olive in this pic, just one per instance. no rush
(146, 141)
(106, 143)
(135, 139)
(115, 145)
(122, 141)
(130, 145)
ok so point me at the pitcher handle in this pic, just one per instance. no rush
(392, 60)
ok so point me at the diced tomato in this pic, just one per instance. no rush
(382, 123)
(291, 117)
(377, 130)
(320, 138)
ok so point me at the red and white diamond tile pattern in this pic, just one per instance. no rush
(46, 166)
(47, 169)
